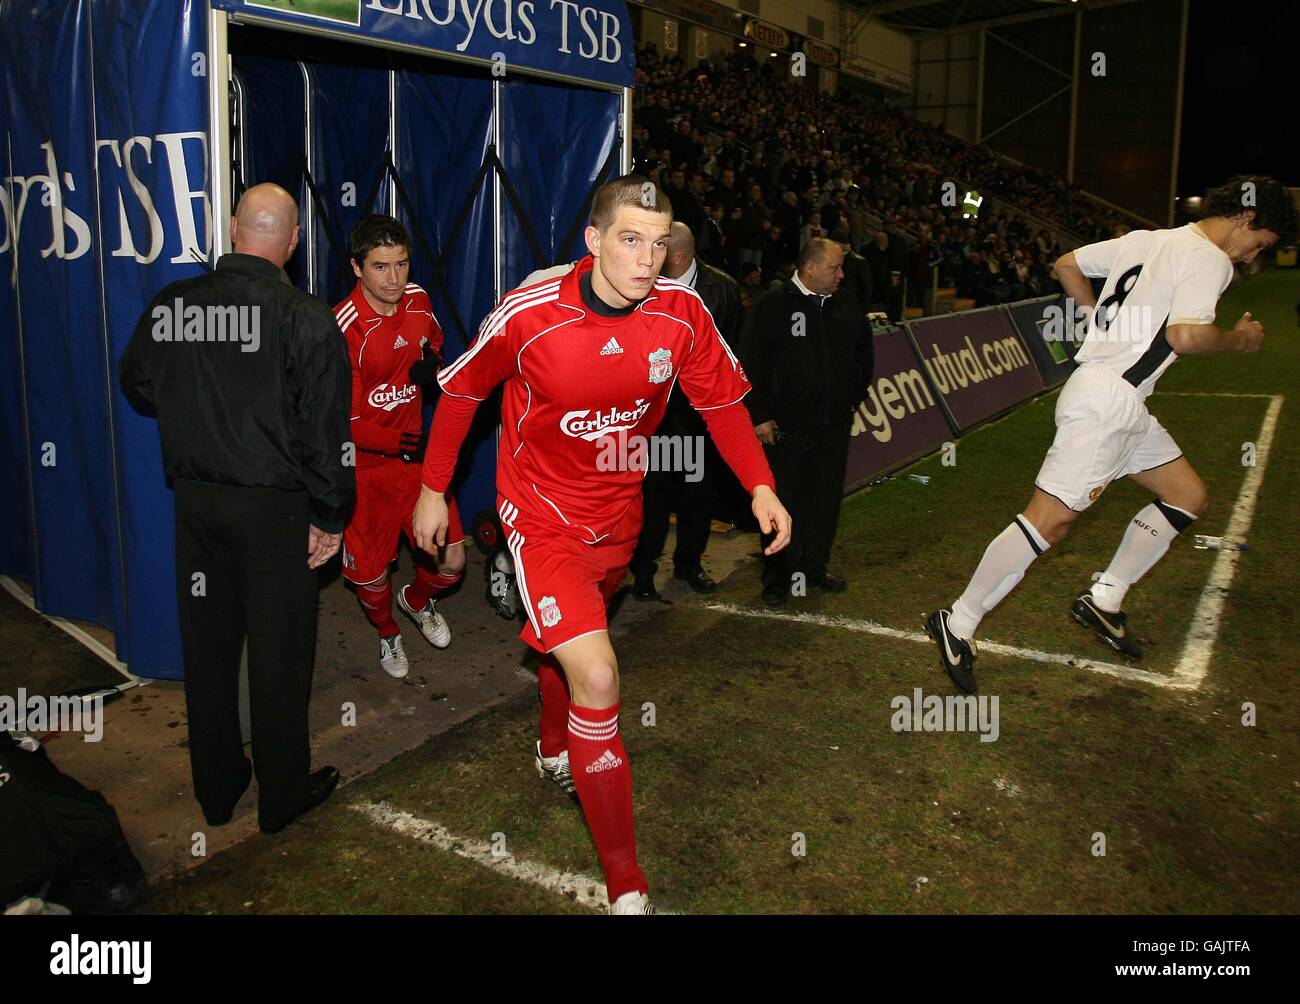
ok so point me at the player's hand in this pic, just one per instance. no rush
(321, 546)
(412, 446)
(429, 520)
(766, 432)
(424, 371)
(771, 516)
(408, 445)
(1251, 332)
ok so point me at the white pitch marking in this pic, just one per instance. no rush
(1204, 632)
(871, 627)
(581, 889)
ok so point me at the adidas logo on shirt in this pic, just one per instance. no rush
(612, 348)
(400, 343)
(607, 761)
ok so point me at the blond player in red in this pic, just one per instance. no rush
(585, 357)
(394, 343)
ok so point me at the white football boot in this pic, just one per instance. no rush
(432, 624)
(392, 658)
(630, 903)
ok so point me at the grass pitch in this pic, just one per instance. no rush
(769, 734)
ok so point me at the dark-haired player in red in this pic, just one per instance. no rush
(583, 358)
(394, 343)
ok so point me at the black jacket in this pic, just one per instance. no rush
(858, 279)
(721, 295)
(267, 407)
(806, 379)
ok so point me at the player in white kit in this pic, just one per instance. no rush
(1158, 302)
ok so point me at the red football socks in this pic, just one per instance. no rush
(553, 689)
(604, 780)
(377, 602)
(429, 584)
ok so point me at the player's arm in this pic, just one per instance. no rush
(1192, 332)
(1092, 261)
(1073, 280)
(465, 384)
(1194, 339)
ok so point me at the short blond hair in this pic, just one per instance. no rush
(635, 190)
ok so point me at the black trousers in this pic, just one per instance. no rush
(241, 570)
(664, 492)
(808, 465)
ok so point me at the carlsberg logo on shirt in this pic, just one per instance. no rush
(585, 425)
(389, 396)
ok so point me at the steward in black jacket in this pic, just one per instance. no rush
(806, 348)
(808, 356)
(250, 381)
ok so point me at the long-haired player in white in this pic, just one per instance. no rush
(1159, 302)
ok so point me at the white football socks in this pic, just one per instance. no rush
(1146, 539)
(1002, 567)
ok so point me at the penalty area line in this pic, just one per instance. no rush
(1208, 616)
(1034, 655)
(581, 889)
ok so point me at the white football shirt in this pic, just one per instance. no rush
(1154, 278)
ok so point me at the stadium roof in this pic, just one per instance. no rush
(923, 16)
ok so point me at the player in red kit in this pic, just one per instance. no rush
(394, 343)
(587, 361)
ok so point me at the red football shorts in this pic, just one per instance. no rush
(565, 583)
(386, 497)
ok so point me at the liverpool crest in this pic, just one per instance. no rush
(550, 611)
(661, 365)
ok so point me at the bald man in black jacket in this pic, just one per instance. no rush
(250, 381)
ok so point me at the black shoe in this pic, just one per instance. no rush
(697, 580)
(774, 594)
(827, 582)
(1110, 628)
(956, 655)
(320, 785)
(643, 588)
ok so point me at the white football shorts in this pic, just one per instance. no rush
(1103, 432)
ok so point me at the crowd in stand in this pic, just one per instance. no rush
(757, 162)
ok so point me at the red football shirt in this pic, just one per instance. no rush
(382, 349)
(572, 378)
